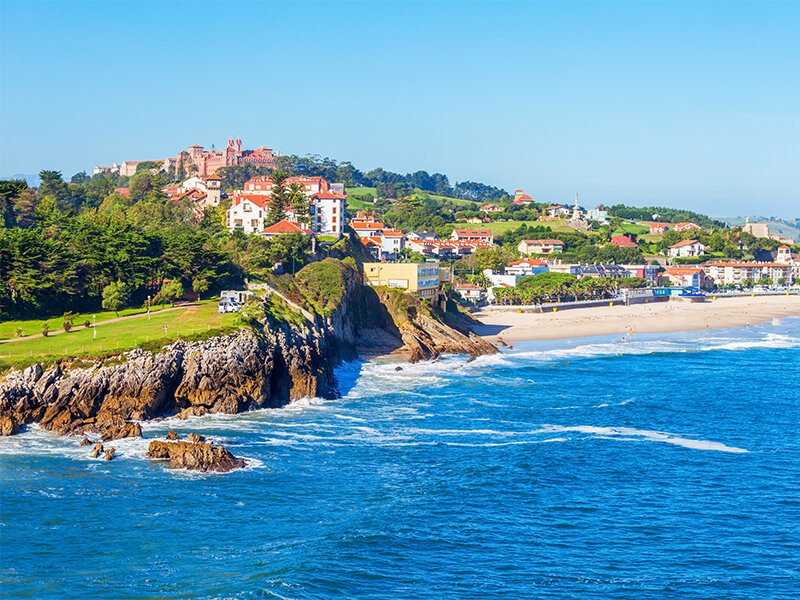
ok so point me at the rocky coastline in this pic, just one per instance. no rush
(267, 365)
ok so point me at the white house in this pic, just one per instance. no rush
(527, 266)
(470, 291)
(247, 214)
(687, 248)
(540, 246)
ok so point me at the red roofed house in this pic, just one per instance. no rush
(285, 226)
(658, 228)
(490, 208)
(123, 191)
(247, 213)
(527, 266)
(687, 248)
(623, 241)
(367, 229)
(685, 277)
(685, 227)
(472, 235)
(521, 197)
(540, 246)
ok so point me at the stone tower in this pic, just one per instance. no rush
(213, 190)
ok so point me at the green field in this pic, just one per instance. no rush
(631, 228)
(502, 227)
(8, 329)
(192, 320)
(361, 191)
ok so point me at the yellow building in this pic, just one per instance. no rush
(418, 279)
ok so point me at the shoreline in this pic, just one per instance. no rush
(667, 317)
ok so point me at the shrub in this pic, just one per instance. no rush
(67, 325)
(19, 332)
(87, 324)
(45, 329)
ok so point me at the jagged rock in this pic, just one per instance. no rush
(200, 456)
(85, 442)
(8, 426)
(171, 435)
(125, 431)
(194, 438)
(110, 453)
(97, 450)
(398, 368)
(501, 342)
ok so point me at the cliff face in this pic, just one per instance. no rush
(277, 361)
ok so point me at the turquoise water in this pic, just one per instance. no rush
(665, 467)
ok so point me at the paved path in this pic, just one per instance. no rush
(136, 316)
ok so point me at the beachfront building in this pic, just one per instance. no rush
(422, 279)
(685, 276)
(546, 246)
(472, 235)
(470, 291)
(735, 273)
(527, 266)
(595, 270)
(687, 248)
(648, 272)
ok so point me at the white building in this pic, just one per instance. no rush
(247, 214)
(727, 273)
(596, 214)
(687, 248)
(527, 266)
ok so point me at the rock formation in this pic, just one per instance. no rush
(200, 456)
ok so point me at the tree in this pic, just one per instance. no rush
(299, 203)
(67, 324)
(277, 198)
(748, 283)
(114, 296)
(169, 293)
(199, 285)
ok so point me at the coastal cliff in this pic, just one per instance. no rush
(297, 336)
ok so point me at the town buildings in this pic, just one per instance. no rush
(735, 273)
(597, 214)
(659, 227)
(527, 266)
(685, 227)
(687, 248)
(490, 208)
(546, 246)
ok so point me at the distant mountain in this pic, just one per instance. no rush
(31, 180)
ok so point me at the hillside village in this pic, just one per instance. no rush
(262, 213)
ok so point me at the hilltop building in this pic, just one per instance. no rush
(423, 280)
(687, 248)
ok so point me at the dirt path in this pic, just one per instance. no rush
(189, 305)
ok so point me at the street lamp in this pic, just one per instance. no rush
(94, 327)
(148, 307)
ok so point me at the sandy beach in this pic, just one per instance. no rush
(643, 318)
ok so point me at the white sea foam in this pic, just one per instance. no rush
(638, 434)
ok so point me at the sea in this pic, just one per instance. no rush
(656, 466)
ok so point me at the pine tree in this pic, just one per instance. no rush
(278, 198)
(299, 203)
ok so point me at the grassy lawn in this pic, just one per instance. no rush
(500, 228)
(8, 329)
(361, 191)
(632, 228)
(123, 335)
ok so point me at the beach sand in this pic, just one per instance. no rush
(643, 318)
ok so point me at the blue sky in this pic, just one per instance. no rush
(681, 104)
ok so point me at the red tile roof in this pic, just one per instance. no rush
(624, 241)
(285, 226)
(684, 243)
